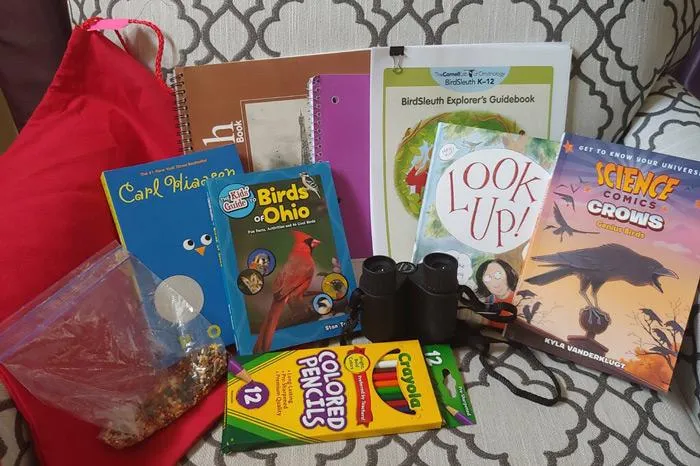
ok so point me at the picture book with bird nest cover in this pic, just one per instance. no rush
(612, 269)
(284, 254)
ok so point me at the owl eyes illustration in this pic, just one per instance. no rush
(204, 240)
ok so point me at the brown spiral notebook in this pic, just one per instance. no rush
(260, 105)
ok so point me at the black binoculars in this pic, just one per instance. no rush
(406, 301)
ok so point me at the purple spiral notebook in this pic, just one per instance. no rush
(340, 125)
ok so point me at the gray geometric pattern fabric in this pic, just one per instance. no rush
(668, 122)
(603, 420)
(15, 444)
(620, 47)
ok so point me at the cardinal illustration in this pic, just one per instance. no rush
(292, 280)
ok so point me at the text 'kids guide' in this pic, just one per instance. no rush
(285, 257)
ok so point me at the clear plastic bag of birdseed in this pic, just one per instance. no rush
(115, 346)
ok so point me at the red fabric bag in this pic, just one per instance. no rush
(103, 110)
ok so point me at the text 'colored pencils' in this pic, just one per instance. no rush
(464, 420)
(236, 369)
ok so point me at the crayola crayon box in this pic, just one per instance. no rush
(326, 394)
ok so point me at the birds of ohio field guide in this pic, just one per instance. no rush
(286, 264)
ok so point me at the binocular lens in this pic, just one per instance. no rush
(378, 275)
(440, 272)
(440, 261)
(379, 265)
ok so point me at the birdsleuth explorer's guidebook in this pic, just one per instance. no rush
(286, 264)
(613, 265)
(502, 87)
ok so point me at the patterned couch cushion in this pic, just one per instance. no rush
(620, 48)
(669, 123)
(15, 446)
(603, 421)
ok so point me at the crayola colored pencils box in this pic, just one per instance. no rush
(326, 394)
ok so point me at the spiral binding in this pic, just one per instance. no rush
(182, 112)
(315, 112)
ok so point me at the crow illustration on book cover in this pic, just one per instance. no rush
(562, 227)
(594, 267)
(568, 199)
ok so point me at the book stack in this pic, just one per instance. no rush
(295, 166)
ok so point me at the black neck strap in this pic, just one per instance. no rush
(496, 312)
(469, 336)
(502, 313)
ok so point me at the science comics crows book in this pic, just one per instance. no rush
(612, 269)
(285, 257)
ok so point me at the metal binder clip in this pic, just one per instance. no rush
(397, 53)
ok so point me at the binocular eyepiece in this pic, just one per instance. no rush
(405, 300)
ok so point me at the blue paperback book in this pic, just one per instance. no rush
(162, 216)
(285, 257)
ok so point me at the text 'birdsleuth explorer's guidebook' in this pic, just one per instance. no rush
(500, 87)
(285, 257)
(612, 267)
